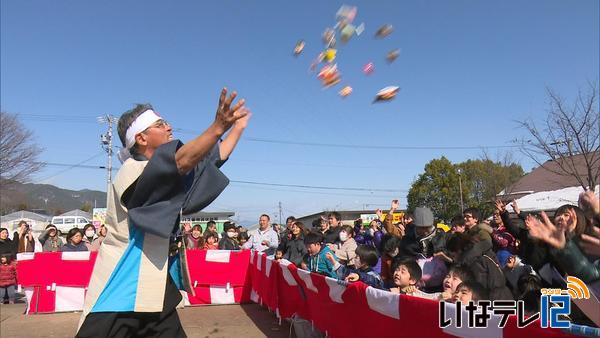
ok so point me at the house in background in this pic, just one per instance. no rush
(544, 189)
(37, 222)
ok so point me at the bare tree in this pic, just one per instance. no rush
(570, 130)
(18, 152)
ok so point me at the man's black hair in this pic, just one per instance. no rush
(313, 238)
(367, 255)
(414, 270)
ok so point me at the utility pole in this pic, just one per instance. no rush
(280, 212)
(106, 142)
(462, 207)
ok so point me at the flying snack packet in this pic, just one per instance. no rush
(384, 31)
(347, 32)
(329, 37)
(392, 55)
(346, 14)
(360, 29)
(347, 90)
(299, 47)
(329, 55)
(329, 75)
(368, 68)
(386, 94)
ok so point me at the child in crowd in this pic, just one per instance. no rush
(74, 241)
(50, 240)
(391, 248)
(317, 255)
(8, 278)
(242, 237)
(364, 260)
(194, 240)
(470, 291)
(210, 241)
(211, 226)
(407, 274)
(456, 275)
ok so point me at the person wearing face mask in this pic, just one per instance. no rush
(345, 249)
(50, 240)
(391, 248)
(229, 241)
(90, 238)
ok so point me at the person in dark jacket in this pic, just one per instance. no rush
(418, 239)
(332, 234)
(74, 241)
(485, 268)
(7, 246)
(229, 241)
(295, 250)
(364, 260)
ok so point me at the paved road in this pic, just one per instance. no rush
(214, 321)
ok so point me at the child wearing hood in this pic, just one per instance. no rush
(317, 255)
(8, 278)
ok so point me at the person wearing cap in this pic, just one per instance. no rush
(133, 289)
(50, 240)
(229, 240)
(418, 240)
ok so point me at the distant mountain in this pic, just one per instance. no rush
(54, 200)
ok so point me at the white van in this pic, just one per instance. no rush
(66, 223)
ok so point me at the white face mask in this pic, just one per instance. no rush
(394, 253)
(343, 236)
(372, 232)
(231, 234)
(90, 233)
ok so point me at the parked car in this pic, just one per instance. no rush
(66, 223)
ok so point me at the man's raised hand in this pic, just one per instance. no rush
(226, 114)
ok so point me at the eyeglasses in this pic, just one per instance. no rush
(159, 124)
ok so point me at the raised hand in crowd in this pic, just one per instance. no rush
(589, 203)
(379, 214)
(395, 206)
(590, 244)
(500, 206)
(546, 231)
(515, 207)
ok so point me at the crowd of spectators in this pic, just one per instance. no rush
(506, 256)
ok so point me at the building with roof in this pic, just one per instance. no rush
(36, 221)
(545, 189)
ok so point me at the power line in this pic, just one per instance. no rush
(87, 119)
(317, 187)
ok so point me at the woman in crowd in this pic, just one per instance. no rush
(229, 241)
(345, 250)
(74, 241)
(50, 240)
(295, 250)
(194, 240)
(24, 238)
(91, 240)
(7, 246)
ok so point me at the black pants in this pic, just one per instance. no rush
(137, 324)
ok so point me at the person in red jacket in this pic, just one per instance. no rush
(8, 279)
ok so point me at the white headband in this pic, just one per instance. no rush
(141, 123)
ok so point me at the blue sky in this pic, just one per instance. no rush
(467, 70)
